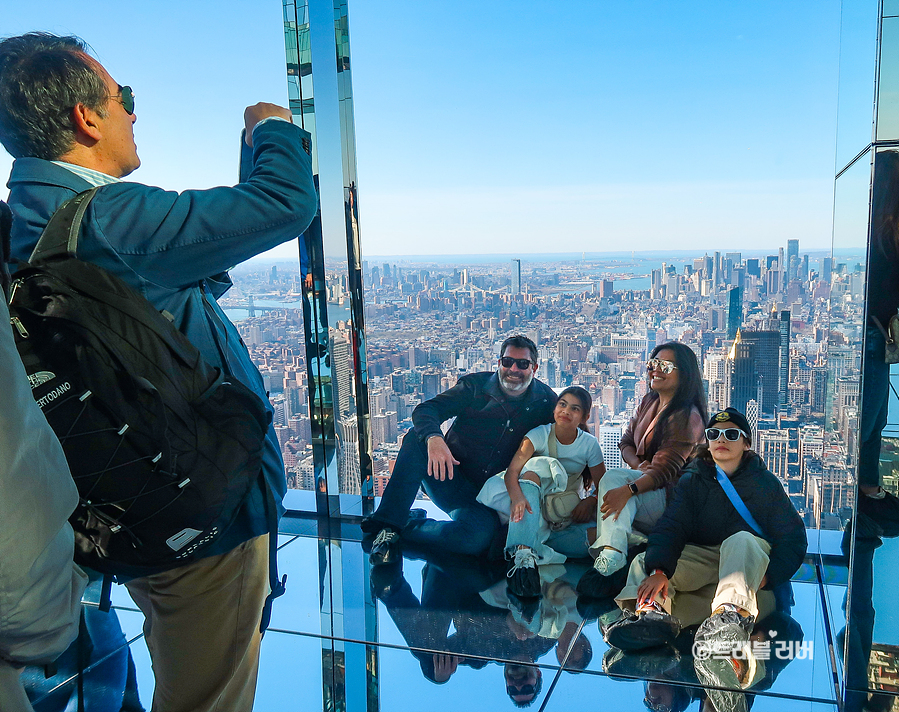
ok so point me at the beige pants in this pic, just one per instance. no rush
(202, 629)
(641, 511)
(708, 576)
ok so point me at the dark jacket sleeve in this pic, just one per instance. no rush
(672, 532)
(428, 416)
(786, 533)
(678, 444)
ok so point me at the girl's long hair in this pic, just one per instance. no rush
(689, 394)
(586, 401)
(587, 404)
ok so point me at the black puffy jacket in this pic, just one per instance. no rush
(700, 513)
(489, 425)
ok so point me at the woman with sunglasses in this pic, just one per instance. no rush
(729, 532)
(658, 442)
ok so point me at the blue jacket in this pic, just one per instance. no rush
(172, 247)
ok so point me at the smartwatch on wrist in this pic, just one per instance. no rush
(632, 486)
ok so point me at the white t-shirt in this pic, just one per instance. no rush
(583, 452)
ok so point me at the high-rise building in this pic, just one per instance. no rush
(773, 448)
(341, 381)
(734, 312)
(752, 415)
(792, 257)
(740, 383)
(784, 359)
(766, 356)
(609, 437)
(516, 276)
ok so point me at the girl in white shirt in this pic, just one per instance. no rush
(552, 465)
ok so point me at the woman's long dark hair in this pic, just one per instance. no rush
(689, 394)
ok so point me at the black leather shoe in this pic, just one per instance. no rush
(385, 548)
(640, 631)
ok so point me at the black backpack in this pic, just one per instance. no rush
(163, 447)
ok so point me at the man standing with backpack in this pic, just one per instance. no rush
(69, 126)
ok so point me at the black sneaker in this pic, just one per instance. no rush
(387, 579)
(385, 548)
(640, 631)
(523, 579)
(594, 585)
(526, 607)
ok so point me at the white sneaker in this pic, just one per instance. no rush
(609, 561)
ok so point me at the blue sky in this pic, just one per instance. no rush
(491, 127)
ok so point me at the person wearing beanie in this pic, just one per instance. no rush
(706, 562)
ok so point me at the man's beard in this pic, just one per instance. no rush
(513, 387)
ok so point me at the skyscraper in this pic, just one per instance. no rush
(766, 364)
(784, 359)
(740, 380)
(516, 276)
(792, 263)
(734, 312)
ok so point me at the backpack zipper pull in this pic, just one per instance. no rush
(20, 327)
(13, 288)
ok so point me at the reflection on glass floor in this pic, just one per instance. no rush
(442, 635)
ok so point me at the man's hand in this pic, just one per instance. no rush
(445, 666)
(585, 511)
(252, 115)
(519, 507)
(440, 459)
(653, 588)
(613, 502)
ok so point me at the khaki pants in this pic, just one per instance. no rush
(708, 576)
(202, 629)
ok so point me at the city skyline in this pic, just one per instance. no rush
(595, 322)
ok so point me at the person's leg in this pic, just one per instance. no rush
(410, 469)
(874, 407)
(526, 532)
(612, 534)
(472, 526)
(572, 541)
(627, 599)
(202, 629)
(744, 560)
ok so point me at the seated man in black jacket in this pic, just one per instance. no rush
(493, 412)
(703, 541)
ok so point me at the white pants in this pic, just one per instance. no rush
(641, 511)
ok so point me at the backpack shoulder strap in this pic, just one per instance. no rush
(5, 247)
(60, 237)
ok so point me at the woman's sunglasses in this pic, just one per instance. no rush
(732, 434)
(660, 364)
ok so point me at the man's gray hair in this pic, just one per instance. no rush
(42, 78)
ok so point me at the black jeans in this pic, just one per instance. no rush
(473, 525)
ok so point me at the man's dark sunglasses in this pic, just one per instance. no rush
(732, 434)
(126, 97)
(513, 691)
(522, 363)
